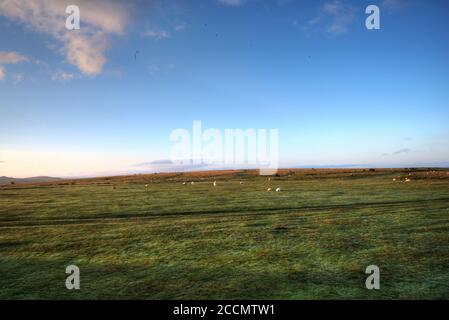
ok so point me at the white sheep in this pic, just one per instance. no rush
(241, 182)
(215, 183)
(146, 186)
(394, 179)
(183, 183)
(278, 189)
(192, 182)
(269, 189)
(407, 180)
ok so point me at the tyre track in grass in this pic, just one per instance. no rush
(133, 218)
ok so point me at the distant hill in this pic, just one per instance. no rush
(9, 180)
(296, 173)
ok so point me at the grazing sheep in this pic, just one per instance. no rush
(241, 182)
(394, 179)
(215, 183)
(192, 182)
(146, 186)
(278, 189)
(269, 189)
(183, 183)
(407, 180)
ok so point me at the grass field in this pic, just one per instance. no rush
(312, 240)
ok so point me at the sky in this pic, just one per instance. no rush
(104, 99)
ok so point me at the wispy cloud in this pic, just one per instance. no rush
(233, 3)
(9, 58)
(160, 34)
(180, 27)
(18, 77)
(170, 166)
(60, 75)
(334, 17)
(405, 150)
(400, 151)
(155, 163)
(156, 34)
(153, 68)
(85, 48)
(393, 5)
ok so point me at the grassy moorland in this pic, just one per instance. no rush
(312, 240)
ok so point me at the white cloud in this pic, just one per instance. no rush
(156, 34)
(2, 73)
(334, 16)
(85, 48)
(86, 52)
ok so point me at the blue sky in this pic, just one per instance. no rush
(82, 102)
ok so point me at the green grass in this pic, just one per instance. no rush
(312, 240)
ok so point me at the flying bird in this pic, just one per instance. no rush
(135, 54)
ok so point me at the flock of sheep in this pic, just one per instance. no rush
(278, 189)
(406, 179)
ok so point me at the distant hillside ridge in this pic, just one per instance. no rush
(228, 175)
(10, 180)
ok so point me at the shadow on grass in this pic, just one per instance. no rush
(45, 279)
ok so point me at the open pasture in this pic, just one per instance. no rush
(153, 237)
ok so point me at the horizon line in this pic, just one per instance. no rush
(328, 167)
